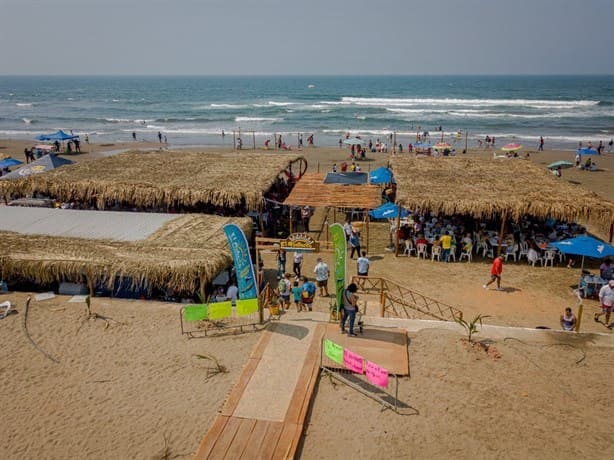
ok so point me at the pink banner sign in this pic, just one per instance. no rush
(353, 361)
(377, 375)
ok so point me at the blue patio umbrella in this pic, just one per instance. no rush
(388, 211)
(8, 162)
(381, 175)
(585, 246)
(587, 151)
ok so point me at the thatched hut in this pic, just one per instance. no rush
(184, 254)
(489, 189)
(163, 180)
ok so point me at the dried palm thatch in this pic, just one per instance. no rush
(494, 188)
(183, 253)
(161, 179)
(311, 190)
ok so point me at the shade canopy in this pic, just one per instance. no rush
(381, 175)
(561, 164)
(486, 189)
(310, 190)
(43, 164)
(8, 162)
(423, 145)
(388, 211)
(353, 178)
(586, 246)
(586, 151)
(59, 135)
(511, 147)
(165, 179)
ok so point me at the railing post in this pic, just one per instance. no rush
(382, 303)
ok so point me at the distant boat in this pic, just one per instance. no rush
(311, 86)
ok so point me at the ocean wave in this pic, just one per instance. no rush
(24, 104)
(256, 119)
(228, 106)
(280, 104)
(27, 121)
(394, 102)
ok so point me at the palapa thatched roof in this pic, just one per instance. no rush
(180, 254)
(161, 179)
(310, 190)
(492, 188)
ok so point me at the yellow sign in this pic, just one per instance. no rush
(299, 242)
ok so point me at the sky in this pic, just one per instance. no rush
(308, 37)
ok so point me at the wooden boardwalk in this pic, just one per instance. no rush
(249, 426)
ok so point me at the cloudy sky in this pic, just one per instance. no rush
(308, 37)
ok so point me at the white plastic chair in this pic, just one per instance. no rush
(524, 250)
(409, 248)
(436, 253)
(422, 251)
(533, 258)
(549, 258)
(466, 254)
(452, 253)
(510, 251)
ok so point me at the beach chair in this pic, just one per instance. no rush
(436, 253)
(510, 251)
(524, 249)
(466, 254)
(422, 251)
(409, 248)
(549, 257)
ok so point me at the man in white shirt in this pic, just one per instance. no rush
(606, 297)
(322, 273)
(362, 266)
(297, 263)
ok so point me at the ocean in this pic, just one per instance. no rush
(193, 111)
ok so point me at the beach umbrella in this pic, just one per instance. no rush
(381, 175)
(8, 162)
(512, 147)
(354, 141)
(442, 146)
(388, 211)
(561, 164)
(585, 246)
(587, 151)
(423, 145)
(46, 163)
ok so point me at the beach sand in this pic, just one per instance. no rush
(117, 392)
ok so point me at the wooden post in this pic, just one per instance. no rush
(394, 142)
(382, 301)
(367, 225)
(396, 233)
(579, 316)
(290, 213)
(275, 140)
(234, 140)
(326, 222)
(503, 217)
(203, 293)
(611, 230)
(466, 141)
(318, 167)
(254, 138)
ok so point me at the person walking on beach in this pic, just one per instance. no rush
(495, 273)
(610, 144)
(322, 273)
(606, 297)
(297, 263)
(350, 305)
(160, 136)
(354, 241)
(541, 144)
(362, 267)
(134, 136)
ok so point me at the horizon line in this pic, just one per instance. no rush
(318, 75)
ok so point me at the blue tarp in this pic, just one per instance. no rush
(57, 136)
(381, 175)
(46, 163)
(586, 151)
(8, 162)
(388, 211)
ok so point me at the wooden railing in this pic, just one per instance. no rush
(397, 301)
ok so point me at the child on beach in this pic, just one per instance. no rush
(297, 292)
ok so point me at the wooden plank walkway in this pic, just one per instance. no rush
(258, 437)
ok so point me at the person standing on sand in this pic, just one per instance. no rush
(495, 273)
(606, 297)
(610, 144)
(160, 136)
(541, 144)
(350, 305)
(322, 273)
(134, 136)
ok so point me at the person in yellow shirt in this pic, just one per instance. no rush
(446, 245)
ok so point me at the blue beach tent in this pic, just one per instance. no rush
(388, 211)
(59, 135)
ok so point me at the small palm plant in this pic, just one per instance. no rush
(471, 326)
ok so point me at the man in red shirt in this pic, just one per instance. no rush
(495, 273)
